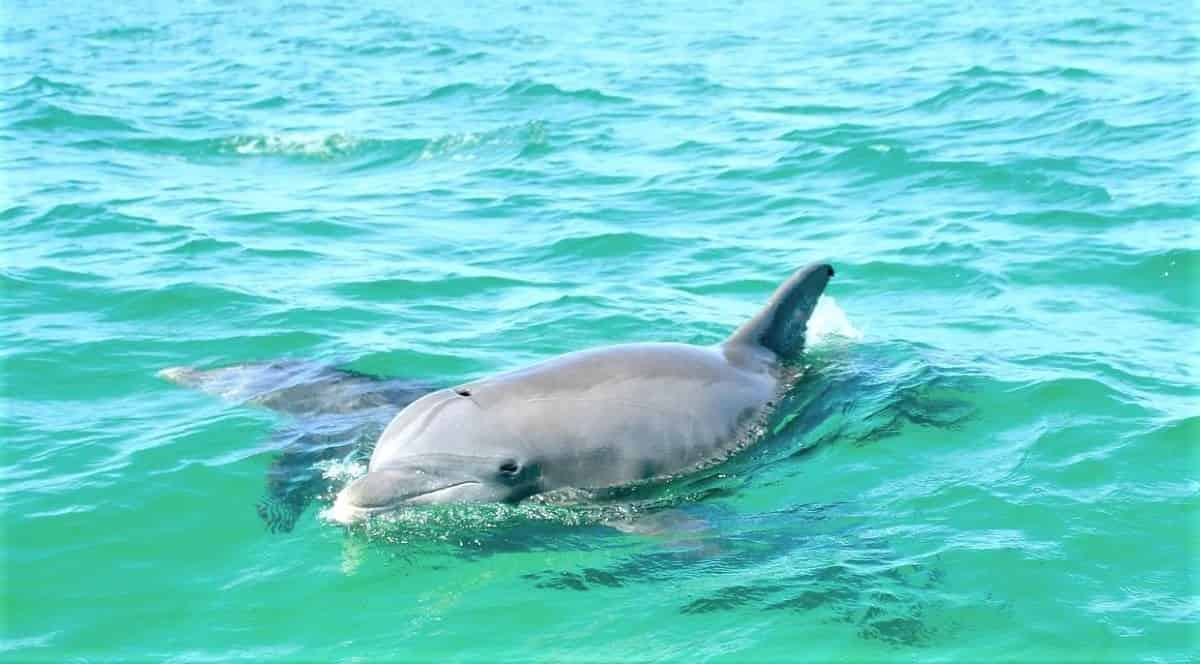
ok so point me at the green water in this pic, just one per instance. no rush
(1003, 465)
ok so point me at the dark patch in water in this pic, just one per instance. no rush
(730, 598)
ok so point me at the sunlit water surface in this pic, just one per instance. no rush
(1000, 465)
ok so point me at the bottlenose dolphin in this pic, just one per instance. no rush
(590, 419)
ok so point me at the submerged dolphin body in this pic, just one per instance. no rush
(334, 412)
(590, 419)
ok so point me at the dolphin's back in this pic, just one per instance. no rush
(598, 417)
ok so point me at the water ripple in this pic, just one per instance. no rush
(436, 192)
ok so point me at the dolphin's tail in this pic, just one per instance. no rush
(781, 324)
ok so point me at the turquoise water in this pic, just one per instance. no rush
(992, 456)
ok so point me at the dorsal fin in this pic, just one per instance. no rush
(780, 326)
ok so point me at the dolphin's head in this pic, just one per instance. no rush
(442, 448)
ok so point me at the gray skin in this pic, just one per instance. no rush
(590, 419)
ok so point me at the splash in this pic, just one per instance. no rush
(829, 323)
(339, 473)
(342, 471)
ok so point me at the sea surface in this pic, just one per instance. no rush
(992, 454)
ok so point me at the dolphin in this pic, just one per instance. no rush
(591, 419)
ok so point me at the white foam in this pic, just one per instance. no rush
(451, 144)
(829, 323)
(313, 144)
(342, 470)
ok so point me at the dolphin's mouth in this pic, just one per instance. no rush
(346, 511)
(420, 497)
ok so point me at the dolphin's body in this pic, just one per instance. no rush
(589, 419)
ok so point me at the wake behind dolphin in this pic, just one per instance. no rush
(591, 419)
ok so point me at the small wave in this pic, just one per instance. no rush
(1077, 394)
(391, 290)
(28, 643)
(845, 133)
(960, 94)
(806, 109)
(515, 140)
(531, 89)
(130, 33)
(449, 144)
(1062, 217)
(315, 144)
(88, 220)
(384, 50)
(1036, 95)
(39, 86)
(300, 255)
(1072, 73)
(1088, 43)
(318, 146)
(877, 157)
(918, 275)
(275, 101)
(16, 212)
(985, 35)
(1097, 25)
(1097, 132)
(608, 245)
(1172, 275)
(184, 299)
(452, 90)
(51, 289)
(695, 149)
(1173, 435)
(48, 117)
(721, 41)
(301, 145)
(198, 246)
(883, 162)
(980, 71)
(301, 221)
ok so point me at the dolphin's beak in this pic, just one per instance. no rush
(385, 490)
(345, 512)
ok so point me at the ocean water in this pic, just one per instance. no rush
(992, 454)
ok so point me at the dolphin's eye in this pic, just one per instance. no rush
(509, 468)
(462, 392)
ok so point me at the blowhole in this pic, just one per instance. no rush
(462, 392)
